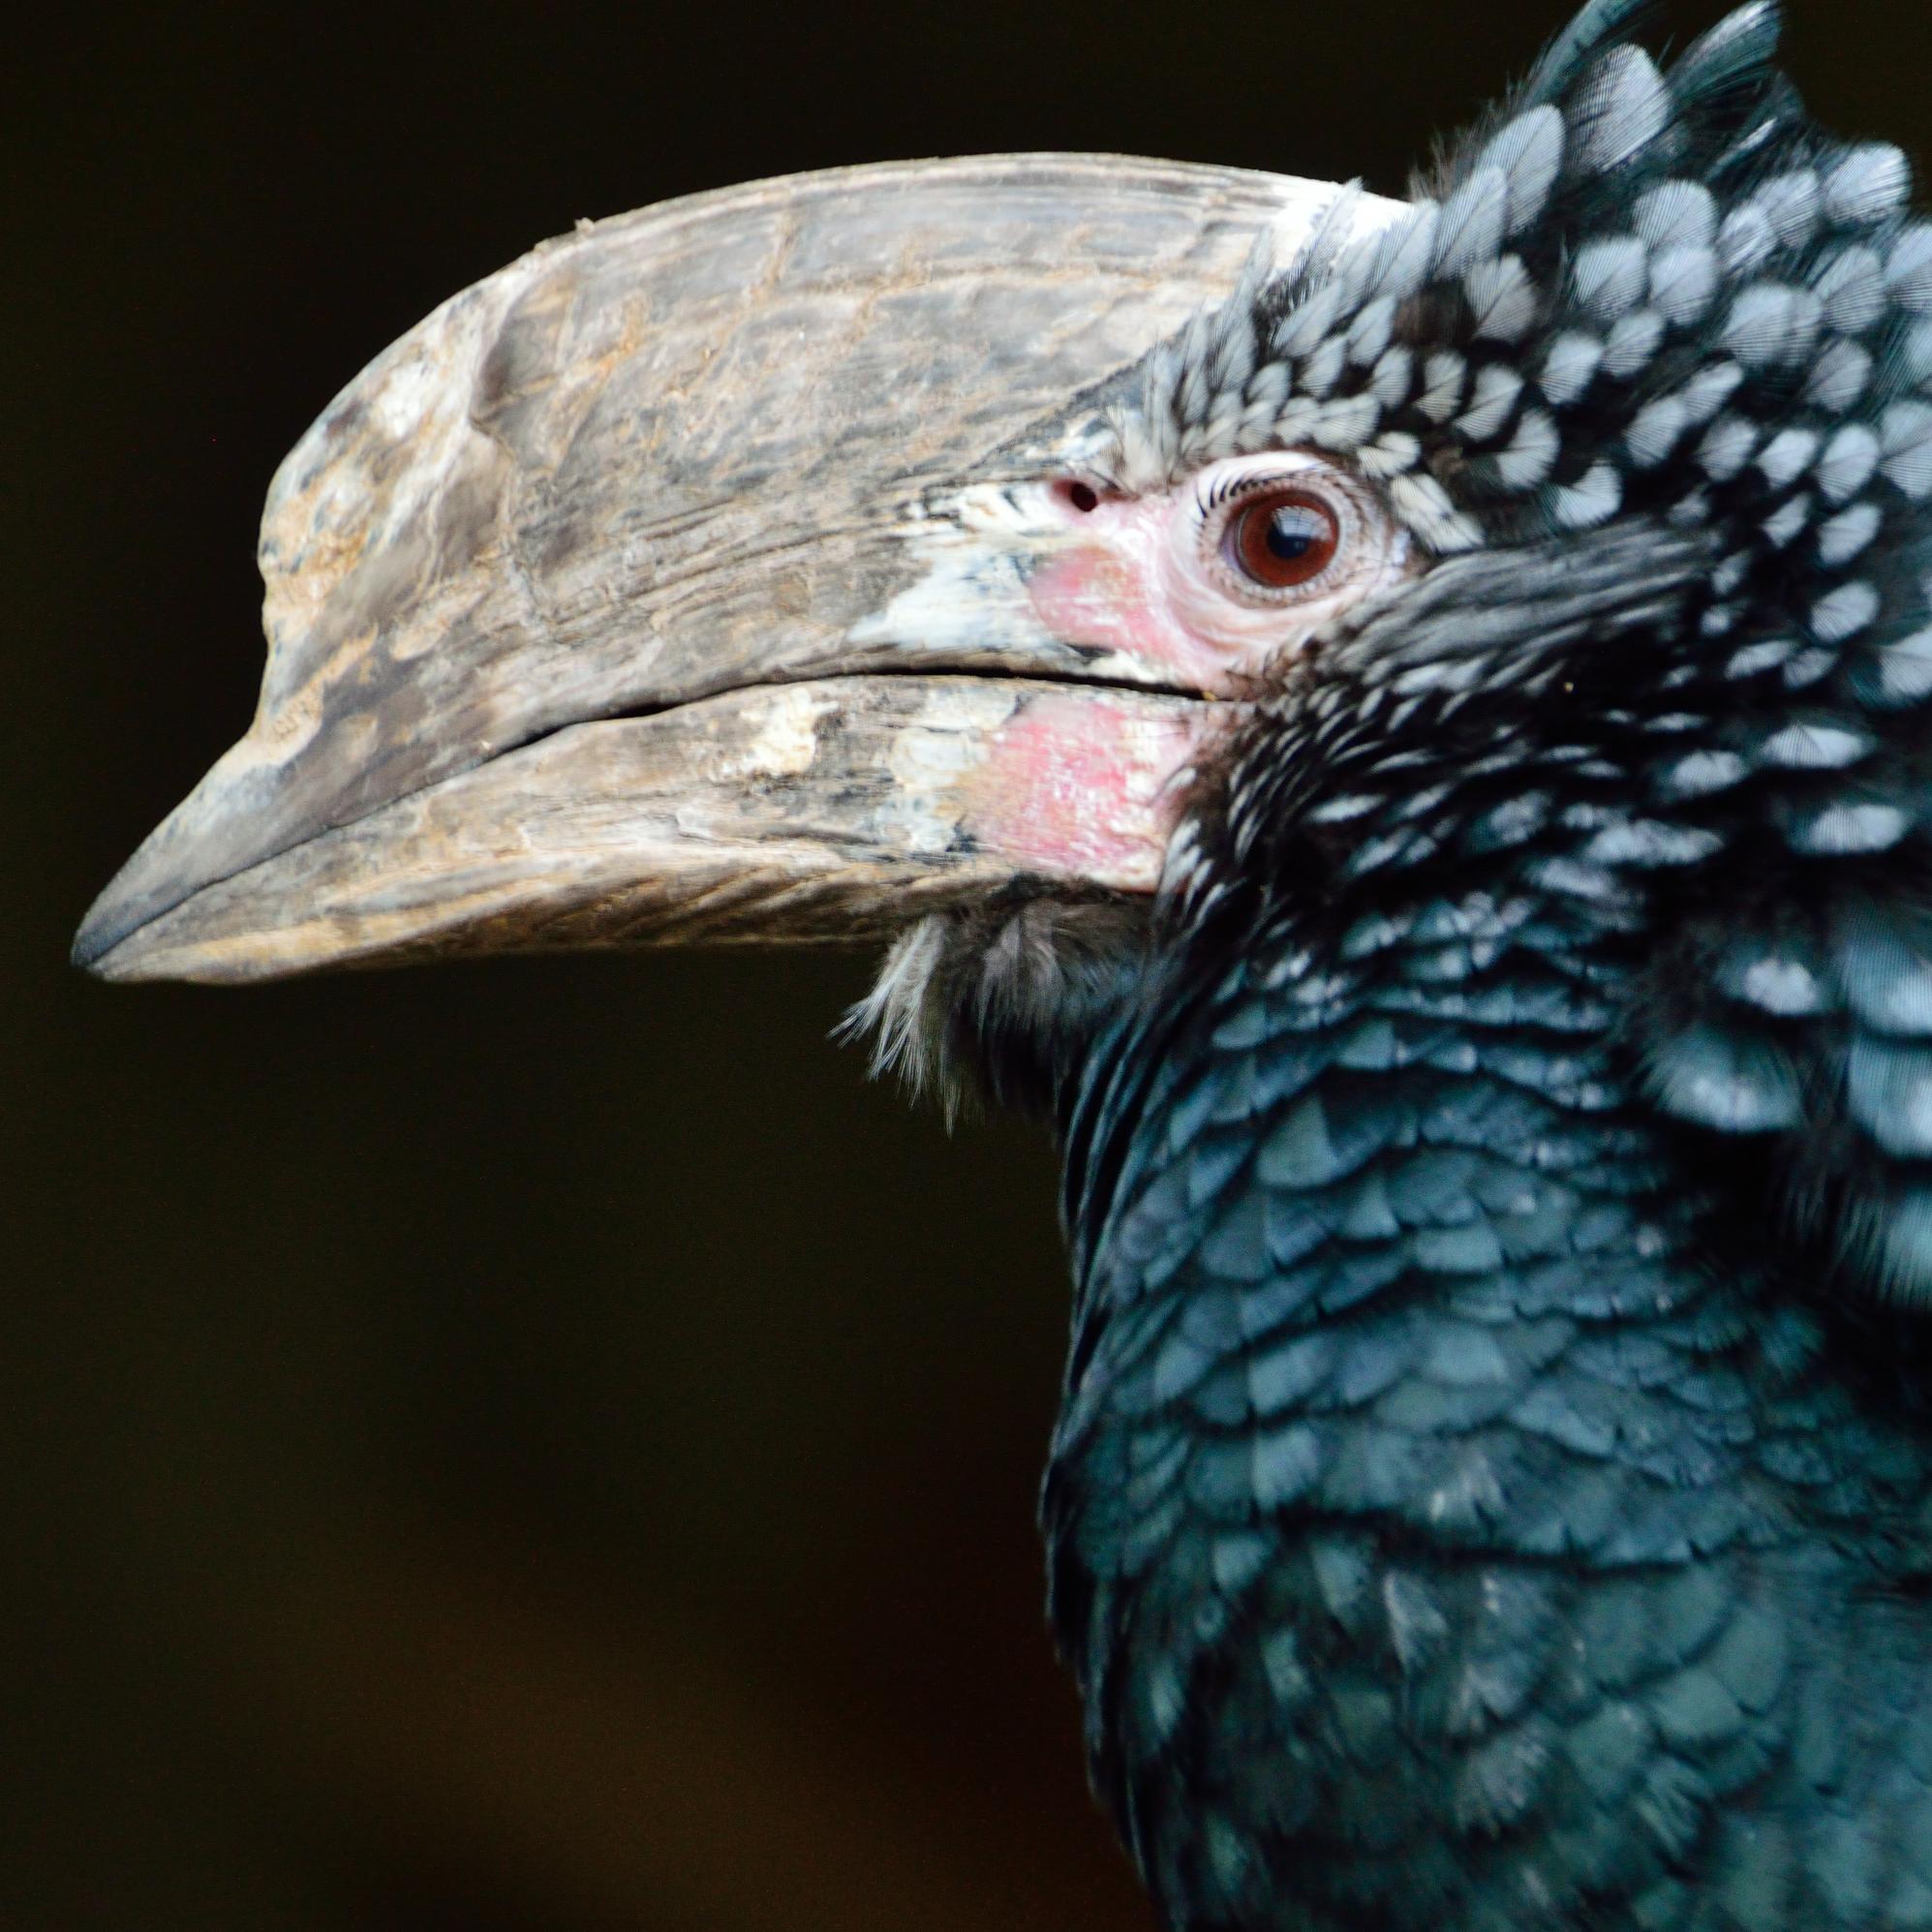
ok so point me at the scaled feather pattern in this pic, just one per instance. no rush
(1494, 1478)
(1662, 300)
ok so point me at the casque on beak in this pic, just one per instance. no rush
(676, 583)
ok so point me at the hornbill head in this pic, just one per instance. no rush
(749, 569)
(755, 568)
(1051, 565)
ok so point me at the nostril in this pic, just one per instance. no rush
(1082, 497)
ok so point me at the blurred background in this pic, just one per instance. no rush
(540, 1446)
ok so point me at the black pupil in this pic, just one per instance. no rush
(1293, 531)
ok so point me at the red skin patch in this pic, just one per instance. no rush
(1113, 591)
(1080, 785)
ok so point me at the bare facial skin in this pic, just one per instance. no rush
(1160, 576)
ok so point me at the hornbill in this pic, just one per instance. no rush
(1403, 728)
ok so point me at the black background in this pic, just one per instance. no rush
(539, 1444)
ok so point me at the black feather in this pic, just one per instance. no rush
(1494, 1477)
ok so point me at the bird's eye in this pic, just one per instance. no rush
(1259, 552)
(1282, 538)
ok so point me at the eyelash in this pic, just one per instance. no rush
(1234, 484)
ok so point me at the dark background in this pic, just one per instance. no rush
(541, 1446)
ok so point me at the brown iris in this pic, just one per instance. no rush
(1282, 538)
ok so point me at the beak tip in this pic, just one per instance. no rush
(95, 935)
(107, 942)
(210, 835)
(120, 952)
(99, 936)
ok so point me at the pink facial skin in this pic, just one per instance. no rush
(1078, 785)
(1109, 590)
(1148, 577)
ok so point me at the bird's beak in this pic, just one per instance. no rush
(679, 582)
